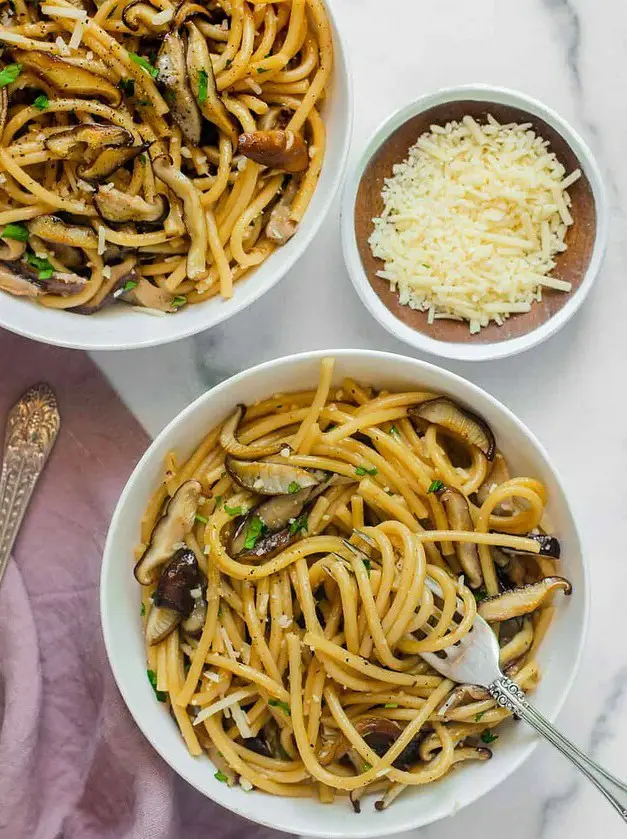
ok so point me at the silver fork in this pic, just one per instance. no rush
(475, 660)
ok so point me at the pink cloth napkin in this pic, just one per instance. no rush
(73, 765)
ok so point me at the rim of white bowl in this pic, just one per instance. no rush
(460, 350)
(107, 616)
(235, 305)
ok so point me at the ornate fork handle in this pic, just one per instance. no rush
(509, 695)
(31, 430)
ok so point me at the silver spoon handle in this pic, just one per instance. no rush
(31, 430)
(509, 695)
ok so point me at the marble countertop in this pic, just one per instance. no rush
(570, 54)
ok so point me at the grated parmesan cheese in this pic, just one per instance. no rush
(241, 721)
(472, 222)
(106, 272)
(222, 704)
(63, 47)
(63, 11)
(77, 35)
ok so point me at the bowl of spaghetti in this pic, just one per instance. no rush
(161, 165)
(263, 594)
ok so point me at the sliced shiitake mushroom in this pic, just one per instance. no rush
(170, 530)
(173, 599)
(380, 734)
(203, 83)
(189, 9)
(278, 149)
(67, 78)
(11, 249)
(173, 76)
(139, 12)
(193, 212)
(467, 425)
(64, 283)
(160, 623)
(498, 474)
(271, 478)
(459, 518)
(276, 516)
(230, 444)
(72, 143)
(53, 229)
(149, 296)
(119, 276)
(521, 601)
(195, 622)
(549, 546)
(109, 161)
(280, 227)
(118, 207)
(19, 281)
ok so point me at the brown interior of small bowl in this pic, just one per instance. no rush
(570, 265)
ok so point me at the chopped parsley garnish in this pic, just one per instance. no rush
(233, 511)
(203, 85)
(299, 524)
(201, 519)
(255, 529)
(479, 715)
(42, 265)
(488, 736)
(143, 158)
(436, 486)
(363, 470)
(220, 776)
(218, 501)
(228, 63)
(42, 102)
(142, 610)
(391, 705)
(145, 102)
(16, 231)
(9, 74)
(129, 285)
(367, 766)
(294, 487)
(144, 64)
(394, 431)
(152, 678)
(276, 703)
(261, 70)
(480, 595)
(179, 301)
(368, 565)
(127, 86)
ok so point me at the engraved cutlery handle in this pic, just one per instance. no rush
(31, 430)
(509, 695)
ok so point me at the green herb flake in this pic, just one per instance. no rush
(16, 231)
(276, 703)
(127, 86)
(299, 524)
(261, 70)
(255, 529)
(220, 776)
(479, 715)
(229, 61)
(144, 64)
(42, 265)
(129, 285)
(233, 511)
(146, 103)
(9, 74)
(436, 486)
(488, 736)
(41, 103)
(294, 487)
(169, 97)
(391, 705)
(203, 86)
(218, 501)
(201, 519)
(152, 678)
(394, 431)
(179, 301)
(143, 158)
(480, 594)
(367, 565)
(142, 610)
(367, 766)
(363, 470)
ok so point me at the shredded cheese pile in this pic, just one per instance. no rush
(472, 221)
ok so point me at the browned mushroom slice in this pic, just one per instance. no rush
(140, 13)
(498, 474)
(149, 296)
(195, 622)
(277, 149)
(108, 162)
(53, 229)
(271, 478)
(72, 143)
(173, 76)
(203, 83)
(189, 9)
(118, 207)
(178, 579)
(64, 283)
(232, 446)
(521, 601)
(17, 280)
(160, 623)
(69, 79)
(471, 753)
(380, 734)
(170, 530)
(270, 527)
(458, 515)
(11, 249)
(280, 227)
(461, 695)
(119, 276)
(193, 213)
(549, 546)
(460, 421)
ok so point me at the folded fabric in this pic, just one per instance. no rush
(73, 764)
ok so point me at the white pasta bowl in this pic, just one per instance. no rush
(120, 600)
(123, 328)
(579, 264)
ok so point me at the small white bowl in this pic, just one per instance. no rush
(120, 599)
(121, 328)
(467, 347)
